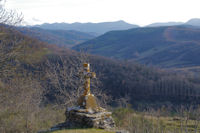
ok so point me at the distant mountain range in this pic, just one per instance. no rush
(67, 38)
(161, 44)
(193, 22)
(165, 24)
(101, 28)
(95, 28)
(170, 46)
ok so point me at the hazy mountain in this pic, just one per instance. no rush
(194, 22)
(174, 46)
(165, 24)
(98, 28)
(59, 37)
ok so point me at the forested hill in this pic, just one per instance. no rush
(32, 65)
(66, 38)
(99, 28)
(172, 46)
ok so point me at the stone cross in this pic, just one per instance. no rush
(87, 100)
(87, 75)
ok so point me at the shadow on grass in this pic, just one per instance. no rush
(78, 130)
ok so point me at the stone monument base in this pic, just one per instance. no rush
(84, 118)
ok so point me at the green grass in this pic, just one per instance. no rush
(137, 120)
(83, 131)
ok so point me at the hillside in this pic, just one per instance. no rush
(38, 81)
(174, 46)
(66, 38)
(99, 28)
(118, 78)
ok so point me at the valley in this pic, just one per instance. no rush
(145, 75)
(165, 47)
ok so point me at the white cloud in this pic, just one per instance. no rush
(141, 12)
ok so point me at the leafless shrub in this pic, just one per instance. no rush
(65, 76)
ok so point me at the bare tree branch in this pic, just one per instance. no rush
(64, 76)
(9, 17)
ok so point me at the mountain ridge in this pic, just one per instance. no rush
(193, 22)
(158, 24)
(169, 46)
(99, 28)
(82, 26)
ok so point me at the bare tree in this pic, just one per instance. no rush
(8, 49)
(64, 75)
(9, 17)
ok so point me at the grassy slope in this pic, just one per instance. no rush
(164, 46)
(127, 118)
(154, 121)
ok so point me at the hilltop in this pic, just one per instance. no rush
(192, 22)
(98, 28)
(164, 24)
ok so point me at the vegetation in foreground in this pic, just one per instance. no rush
(158, 121)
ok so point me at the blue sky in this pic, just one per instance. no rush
(141, 12)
